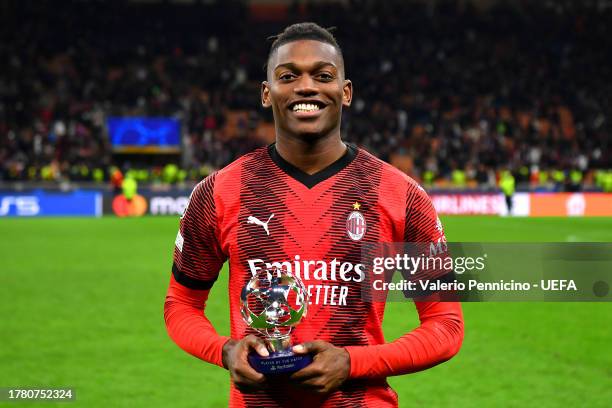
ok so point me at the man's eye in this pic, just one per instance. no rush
(326, 76)
(286, 77)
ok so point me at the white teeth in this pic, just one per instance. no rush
(305, 107)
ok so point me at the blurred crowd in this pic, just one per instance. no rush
(451, 94)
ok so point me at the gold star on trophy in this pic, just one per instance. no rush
(356, 206)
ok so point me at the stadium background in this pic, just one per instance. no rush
(455, 93)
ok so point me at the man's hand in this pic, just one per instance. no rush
(329, 369)
(235, 353)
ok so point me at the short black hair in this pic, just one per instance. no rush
(304, 31)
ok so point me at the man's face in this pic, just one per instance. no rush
(306, 88)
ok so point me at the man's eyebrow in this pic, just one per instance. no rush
(315, 66)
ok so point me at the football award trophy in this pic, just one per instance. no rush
(273, 303)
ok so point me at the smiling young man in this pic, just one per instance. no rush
(309, 202)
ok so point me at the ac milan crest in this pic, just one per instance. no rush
(355, 225)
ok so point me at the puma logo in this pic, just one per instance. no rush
(255, 220)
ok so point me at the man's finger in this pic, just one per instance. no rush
(316, 346)
(257, 344)
(310, 371)
(315, 384)
(247, 376)
(305, 374)
(251, 377)
(247, 387)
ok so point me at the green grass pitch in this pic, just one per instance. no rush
(81, 306)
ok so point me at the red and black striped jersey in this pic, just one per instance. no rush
(261, 211)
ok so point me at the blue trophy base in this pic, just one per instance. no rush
(283, 362)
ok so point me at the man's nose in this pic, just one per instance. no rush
(306, 86)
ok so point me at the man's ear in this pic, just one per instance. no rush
(347, 93)
(265, 95)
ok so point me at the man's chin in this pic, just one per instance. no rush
(309, 132)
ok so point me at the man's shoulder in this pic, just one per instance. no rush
(223, 185)
(389, 172)
(237, 165)
(231, 172)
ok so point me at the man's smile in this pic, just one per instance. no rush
(307, 108)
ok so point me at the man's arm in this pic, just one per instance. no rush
(436, 340)
(440, 334)
(198, 258)
(188, 326)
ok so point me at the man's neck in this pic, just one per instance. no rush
(310, 156)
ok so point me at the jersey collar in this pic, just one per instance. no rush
(311, 180)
